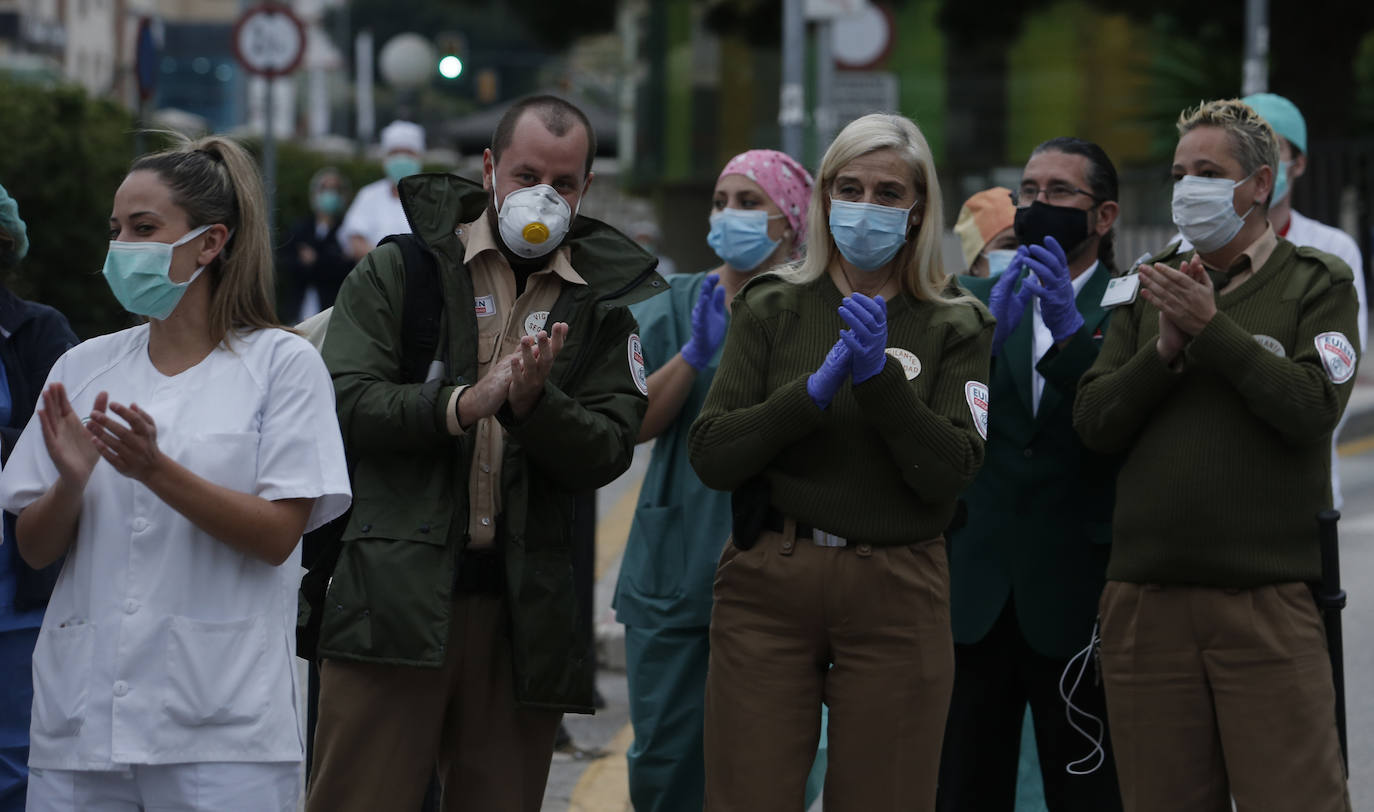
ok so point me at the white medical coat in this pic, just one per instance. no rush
(162, 644)
(375, 213)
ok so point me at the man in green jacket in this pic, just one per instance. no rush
(1027, 568)
(450, 637)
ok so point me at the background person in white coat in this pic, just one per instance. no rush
(176, 464)
(376, 211)
(1291, 129)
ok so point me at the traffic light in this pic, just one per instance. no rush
(452, 49)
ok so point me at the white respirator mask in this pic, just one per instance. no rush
(534, 220)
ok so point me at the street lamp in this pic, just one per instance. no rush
(406, 61)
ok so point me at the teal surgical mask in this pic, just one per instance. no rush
(139, 275)
(1280, 183)
(328, 201)
(400, 166)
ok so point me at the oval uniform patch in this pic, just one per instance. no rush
(636, 353)
(977, 396)
(535, 321)
(1338, 356)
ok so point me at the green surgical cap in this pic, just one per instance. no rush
(11, 224)
(1282, 115)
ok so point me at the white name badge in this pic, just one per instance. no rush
(1272, 344)
(911, 365)
(484, 306)
(535, 321)
(1121, 291)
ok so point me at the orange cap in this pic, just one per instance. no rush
(982, 217)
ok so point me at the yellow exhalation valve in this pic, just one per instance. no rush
(535, 233)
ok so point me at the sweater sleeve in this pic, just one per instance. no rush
(1120, 390)
(936, 444)
(1296, 396)
(743, 426)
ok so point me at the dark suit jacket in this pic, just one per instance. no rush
(1040, 510)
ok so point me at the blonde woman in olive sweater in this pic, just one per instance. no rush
(848, 412)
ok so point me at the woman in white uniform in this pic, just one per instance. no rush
(176, 465)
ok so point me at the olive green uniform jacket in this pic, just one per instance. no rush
(391, 596)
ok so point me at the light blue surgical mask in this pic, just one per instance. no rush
(138, 275)
(998, 261)
(740, 237)
(867, 234)
(400, 166)
(1280, 183)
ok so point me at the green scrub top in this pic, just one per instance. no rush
(680, 525)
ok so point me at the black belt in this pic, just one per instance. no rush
(480, 572)
(775, 522)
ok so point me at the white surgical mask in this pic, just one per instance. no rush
(1204, 211)
(534, 220)
(998, 260)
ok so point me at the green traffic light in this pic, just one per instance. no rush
(450, 67)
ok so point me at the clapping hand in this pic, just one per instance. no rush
(1007, 302)
(1054, 289)
(867, 336)
(708, 324)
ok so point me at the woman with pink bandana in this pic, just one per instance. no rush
(758, 219)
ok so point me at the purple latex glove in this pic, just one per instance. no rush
(708, 324)
(1054, 290)
(1007, 302)
(867, 336)
(825, 382)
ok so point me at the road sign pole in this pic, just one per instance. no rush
(269, 164)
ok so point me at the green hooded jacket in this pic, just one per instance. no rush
(391, 595)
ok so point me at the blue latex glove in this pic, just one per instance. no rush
(867, 336)
(708, 324)
(1054, 290)
(825, 382)
(1007, 302)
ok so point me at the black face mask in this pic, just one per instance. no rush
(1068, 225)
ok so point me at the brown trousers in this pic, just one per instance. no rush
(1216, 694)
(383, 729)
(785, 610)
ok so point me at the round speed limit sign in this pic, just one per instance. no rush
(269, 40)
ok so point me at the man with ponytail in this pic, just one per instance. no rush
(1027, 568)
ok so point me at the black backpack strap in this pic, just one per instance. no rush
(422, 309)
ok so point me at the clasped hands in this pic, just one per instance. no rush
(517, 379)
(1185, 300)
(860, 353)
(1050, 282)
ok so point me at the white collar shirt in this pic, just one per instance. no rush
(162, 644)
(1043, 340)
(1306, 231)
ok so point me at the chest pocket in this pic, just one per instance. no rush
(229, 459)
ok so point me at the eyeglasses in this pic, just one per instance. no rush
(1056, 194)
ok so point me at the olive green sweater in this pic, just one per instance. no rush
(1228, 456)
(885, 461)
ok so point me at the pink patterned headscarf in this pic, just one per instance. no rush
(781, 178)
